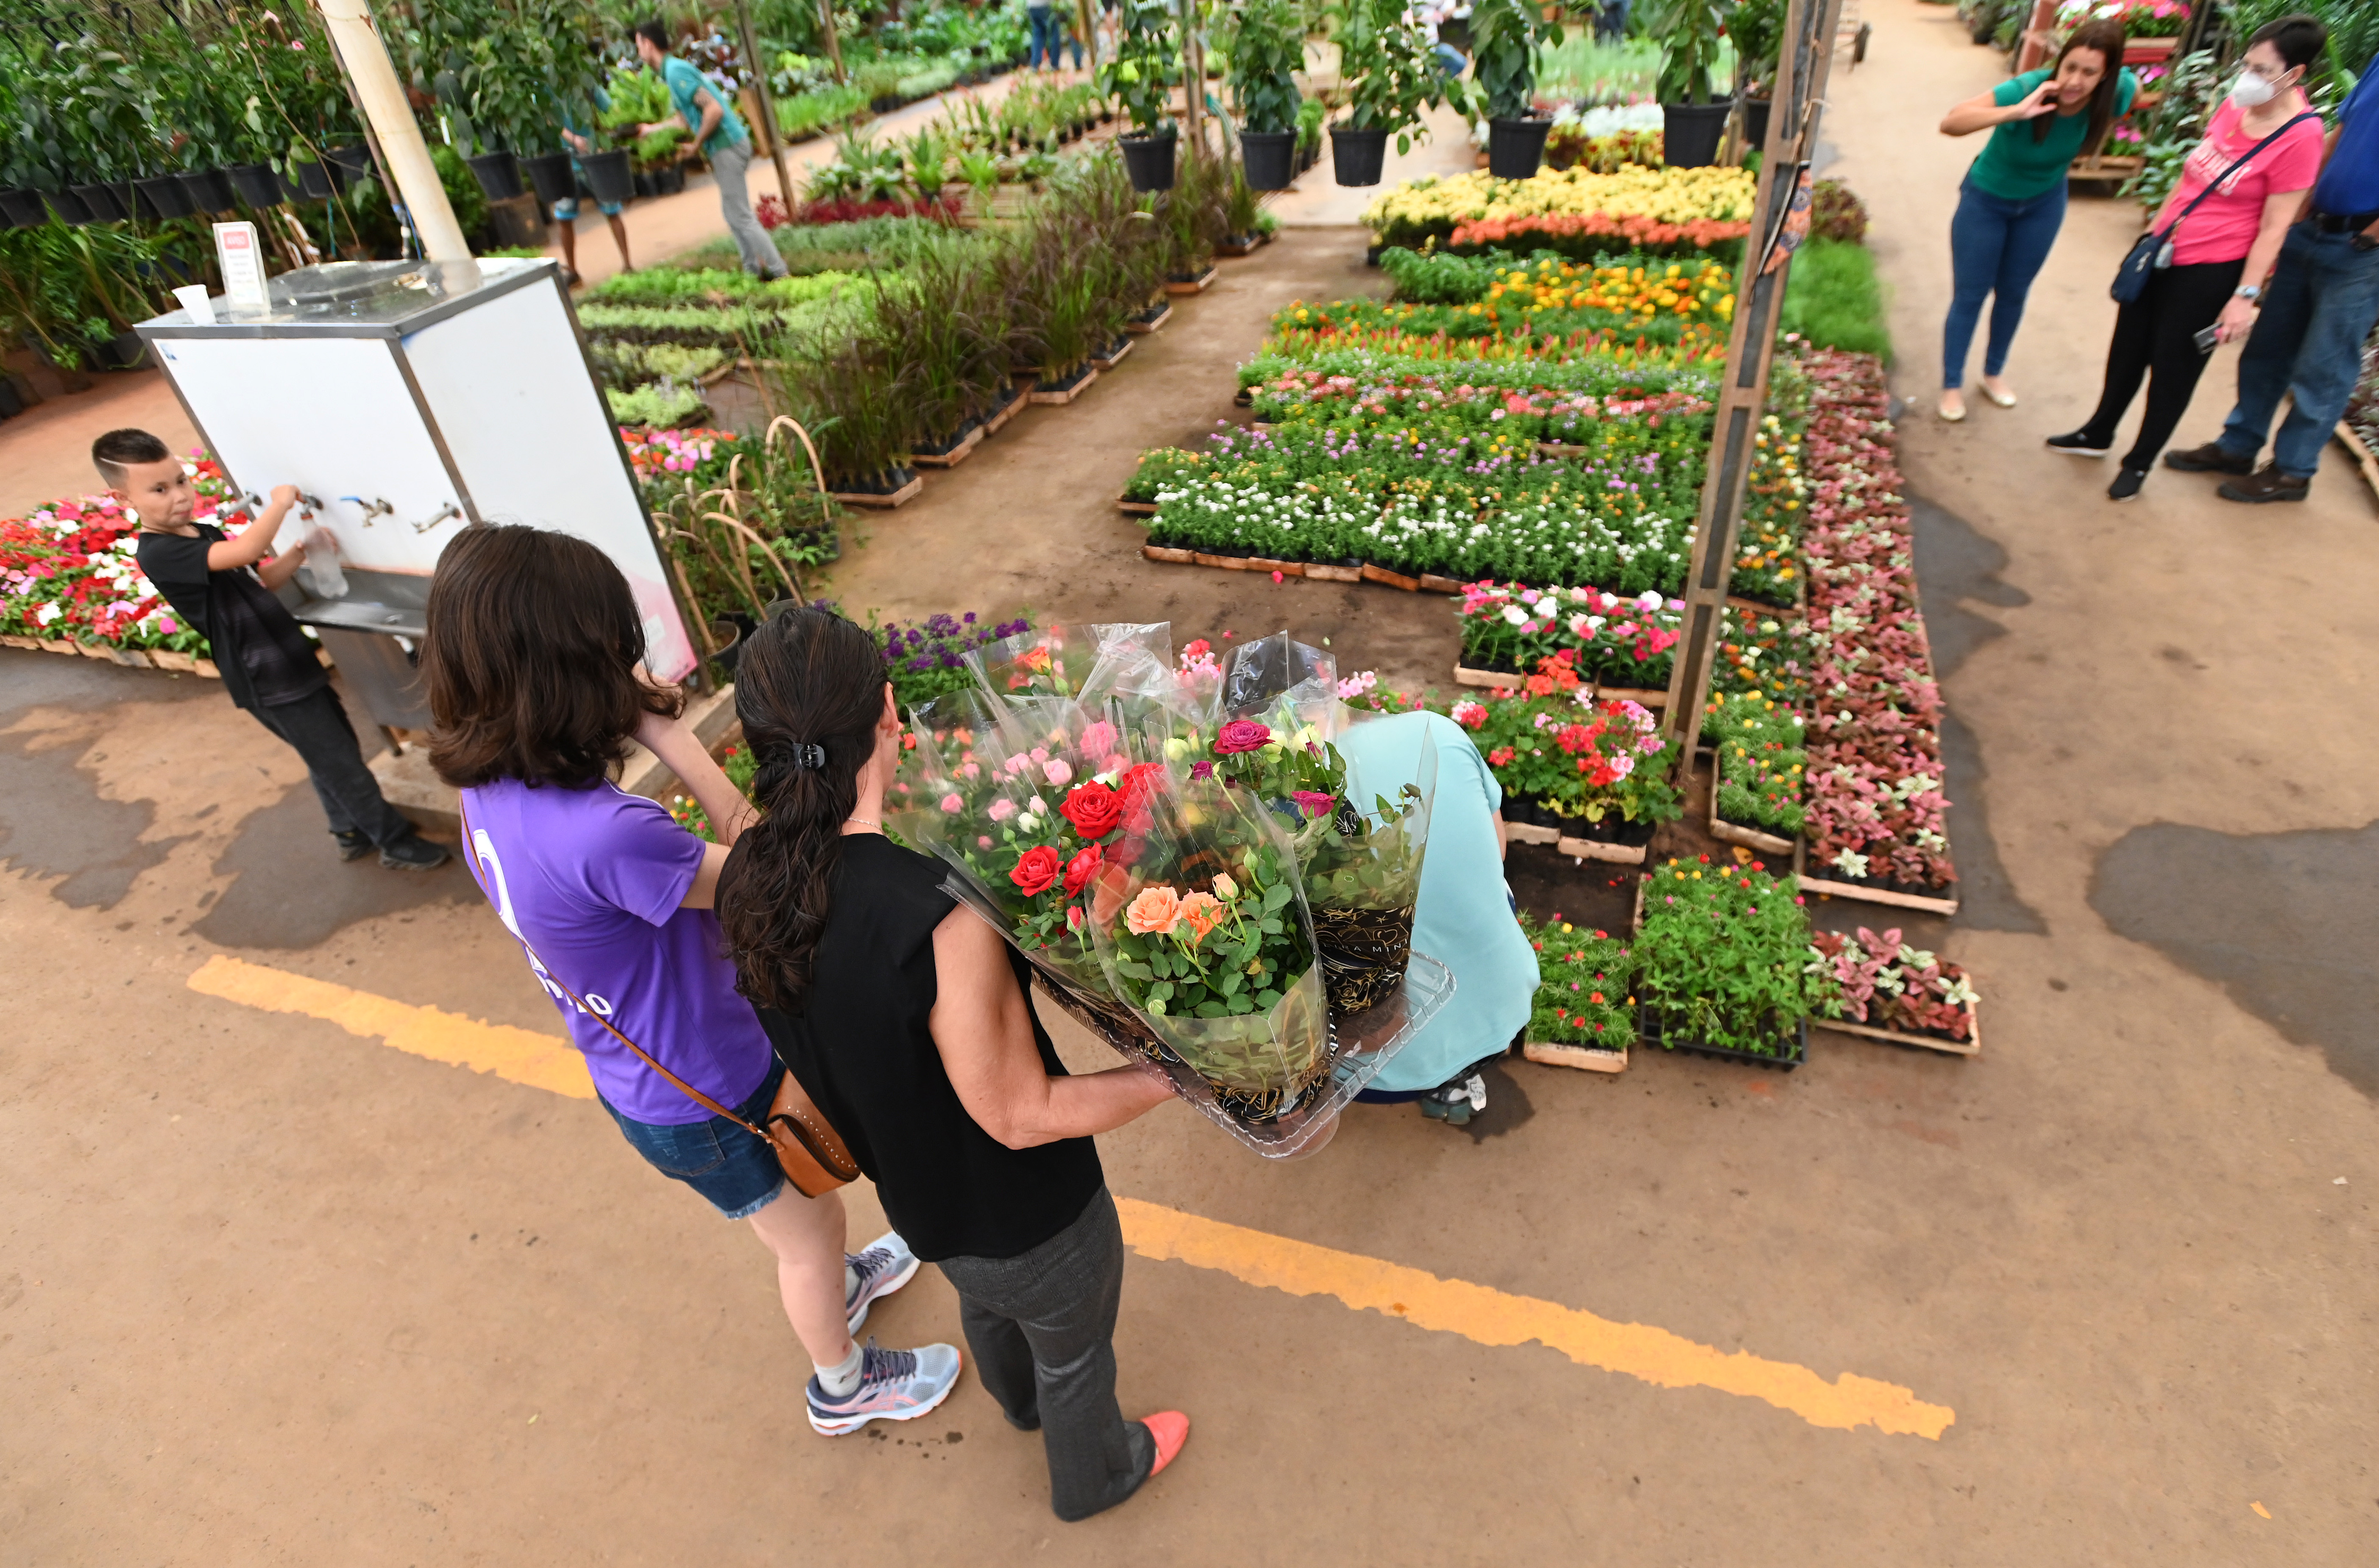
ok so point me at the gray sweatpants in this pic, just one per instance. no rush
(729, 165)
(1042, 1328)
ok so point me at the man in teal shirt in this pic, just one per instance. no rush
(724, 142)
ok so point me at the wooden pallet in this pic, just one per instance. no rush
(1138, 328)
(1529, 833)
(883, 502)
(133, 658)
(1110, 361)
(1878, 894)
(1198, 285)
(1318, 571)
(2361, 451)
(1970, 1046)
(1060, 399)
(1596, 849)
(1135, 508)
(953, 457)
(1586, 1056)
(993, 425)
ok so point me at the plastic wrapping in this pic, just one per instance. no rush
(1363, 866)
(1051, 662)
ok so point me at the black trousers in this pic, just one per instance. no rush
(317, 726)
(2154, 338)
(1042, 1328)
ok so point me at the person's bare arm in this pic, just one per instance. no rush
(703, 893)
(229, 555)
(683, 754)
(2279, 210)
(1984, 111)
(1503, 839)
(984, 1030)
(713, 111)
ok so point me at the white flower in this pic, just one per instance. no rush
(1851, 863)
(1515, 615)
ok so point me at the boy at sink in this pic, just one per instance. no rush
(217, 586)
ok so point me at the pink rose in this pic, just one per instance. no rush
(1098, 738)
(1057, 772)
(1001, 809)
(951, 804)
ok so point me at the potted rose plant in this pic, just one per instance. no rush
(1506, 35)
(1390, 75)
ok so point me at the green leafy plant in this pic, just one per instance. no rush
(1692, 33)
(1584, 978)
(1267, 48)
(1505, 36)
(1388, 71)
(1834, 299)
(1723, 957)
(1761, 762)
(1146, 65)
(656, 403)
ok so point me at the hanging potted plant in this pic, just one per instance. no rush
(1758, 31)
(1390, 75)
(1140, 79)
(575, 87)
(32, 156)
(107, 105)
(1506, 35)
(1267, 48)
(1691, 125)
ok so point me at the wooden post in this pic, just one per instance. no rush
(771, 137)
(390, 114)
(1751, 346)
(1193, 72)
(833, 44)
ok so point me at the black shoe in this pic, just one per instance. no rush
(2126, 485)
(354, 844)
(2211, 458)
(2079, 443)
(1458, 1102)
(1031, 1426)
(2265, 484)
(413, 852)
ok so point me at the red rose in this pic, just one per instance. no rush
(1139, 783)
(1036, 868)
(1241, 735)
(1081, 869)
(1093, 808)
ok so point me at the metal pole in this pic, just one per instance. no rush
(771, 138)
(1751, 348)
(389, 115)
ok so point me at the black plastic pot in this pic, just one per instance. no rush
(1358, 155)
(1149, 160)
(109, 202)
(69, 208)
(498, 175)
(209, 191)
(550, 177)
(124, 350)
(1691, 132)
(350, 163)
(23, 208)
(1270, 157)
(10, 403)
(316, 182)
(1755, 121)
(255, 183)
(163, 197)
(609, 178)
(1515, 149)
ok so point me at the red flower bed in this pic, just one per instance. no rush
(946, 209)
(1551, 229)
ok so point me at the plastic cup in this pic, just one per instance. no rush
(195, 301)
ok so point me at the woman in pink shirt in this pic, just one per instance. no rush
(2221, 251)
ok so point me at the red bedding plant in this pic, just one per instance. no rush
(840, 211)
(1885, 983)
(1556, 230)
(1875, 810)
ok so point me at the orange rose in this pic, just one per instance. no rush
(1200, 912)
(1155, 912)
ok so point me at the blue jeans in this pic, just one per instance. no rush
(1610, 21)
(2307, 342)
(1996, 249)
(1044, 38)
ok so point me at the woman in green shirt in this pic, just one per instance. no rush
(2013, 199)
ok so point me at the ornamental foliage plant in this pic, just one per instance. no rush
(1146, 65)
(1584, 982)
(1885, 983)
(1505, 36)
(1722, 958)
(1388, 71)
(1761, 760)
(1266, 50)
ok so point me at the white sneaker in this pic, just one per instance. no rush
(894, 1386)
(882, 1267)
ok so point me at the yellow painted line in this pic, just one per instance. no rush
(1477, 1312)
(1493, 1317)
(521, 1055)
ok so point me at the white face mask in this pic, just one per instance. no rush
(2252, 92)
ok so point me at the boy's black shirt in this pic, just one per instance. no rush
(264, 658)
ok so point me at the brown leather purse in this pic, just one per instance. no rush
(813, 1154)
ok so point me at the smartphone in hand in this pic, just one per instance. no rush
(2207, 339)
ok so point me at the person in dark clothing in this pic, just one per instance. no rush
(268, 667)
(907, 1019)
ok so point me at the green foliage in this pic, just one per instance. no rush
(1505, 36)
(1583, 979)
(820, 113)
(1267, 49)
(1388, 71)
(1834, 299)
(1756, 27)
(656, 403)
(1146, 65)
(462, 192)
(1692, 33)
(1720, 955)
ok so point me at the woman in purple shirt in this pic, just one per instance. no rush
(533, 661)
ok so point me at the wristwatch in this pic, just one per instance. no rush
(2249, 292)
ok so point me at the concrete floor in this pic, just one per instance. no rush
(272, 1292)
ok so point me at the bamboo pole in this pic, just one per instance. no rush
(772, 137)
(833, 44)
(391, 117)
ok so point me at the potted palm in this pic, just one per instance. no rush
(1506, 35)
(1267, 48)
(1140, 79)
(1690, 32)
(1390, 75)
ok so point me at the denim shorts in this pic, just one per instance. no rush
(736, 1170)
(566, 211)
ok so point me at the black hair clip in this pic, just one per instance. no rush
(809, 756)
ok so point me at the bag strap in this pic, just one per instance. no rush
(2240, 163)
(471, 859)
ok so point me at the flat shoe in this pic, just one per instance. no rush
(1952, 415)
(2005, 400)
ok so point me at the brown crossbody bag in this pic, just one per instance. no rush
(814, 1156)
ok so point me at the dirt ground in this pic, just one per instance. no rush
(273, 1292)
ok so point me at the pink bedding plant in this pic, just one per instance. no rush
(1618, 642)
(1886, 983)
(68, 571)
(1875, 809)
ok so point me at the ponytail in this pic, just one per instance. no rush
(809, 687)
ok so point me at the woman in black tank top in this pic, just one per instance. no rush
(908, 1020)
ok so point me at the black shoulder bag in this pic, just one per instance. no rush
(2152, 252)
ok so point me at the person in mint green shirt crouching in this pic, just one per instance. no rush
(724, 142)
(2013, 202)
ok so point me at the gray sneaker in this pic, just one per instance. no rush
(894, 1386)
(882, 1268)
